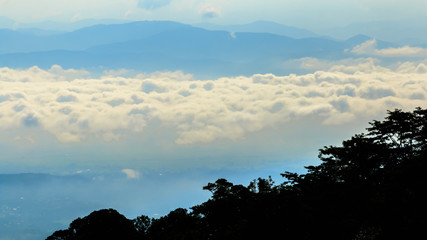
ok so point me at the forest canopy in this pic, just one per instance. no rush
(370, 187)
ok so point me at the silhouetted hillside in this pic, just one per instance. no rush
(371, 187)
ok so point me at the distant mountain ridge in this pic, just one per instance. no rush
(404, 32)
(262, 27)
(167, 46)
(21, 41)
(48, 25)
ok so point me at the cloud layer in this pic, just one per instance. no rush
(370, 48)
(74, 108)
(131, 173)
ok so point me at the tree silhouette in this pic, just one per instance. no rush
(102, 224)
(370, 187)
(142, 224)
(373, 181)
(177, 225)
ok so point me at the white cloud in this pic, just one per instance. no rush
(110, 108)
(313, 64)
(370, 48)
(405, 51)
(130, 173)
(210, 12)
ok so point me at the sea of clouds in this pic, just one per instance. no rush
(74, 106)
(113, 129)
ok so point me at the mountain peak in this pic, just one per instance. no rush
(262, 26)
(359, 37)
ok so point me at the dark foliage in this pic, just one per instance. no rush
(102, 224)
(371, 187)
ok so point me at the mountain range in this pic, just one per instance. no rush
(407, 32)
(169, 46)
(261, 27)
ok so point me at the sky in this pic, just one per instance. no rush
(146, 142)
(310, 14)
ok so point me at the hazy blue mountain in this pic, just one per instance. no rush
(167, 46)
(262, 27)
(25, 41)
(54, 26)
(39, 32)
(357, 39)
(68, 26)
(12, 41)
(399, 32)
